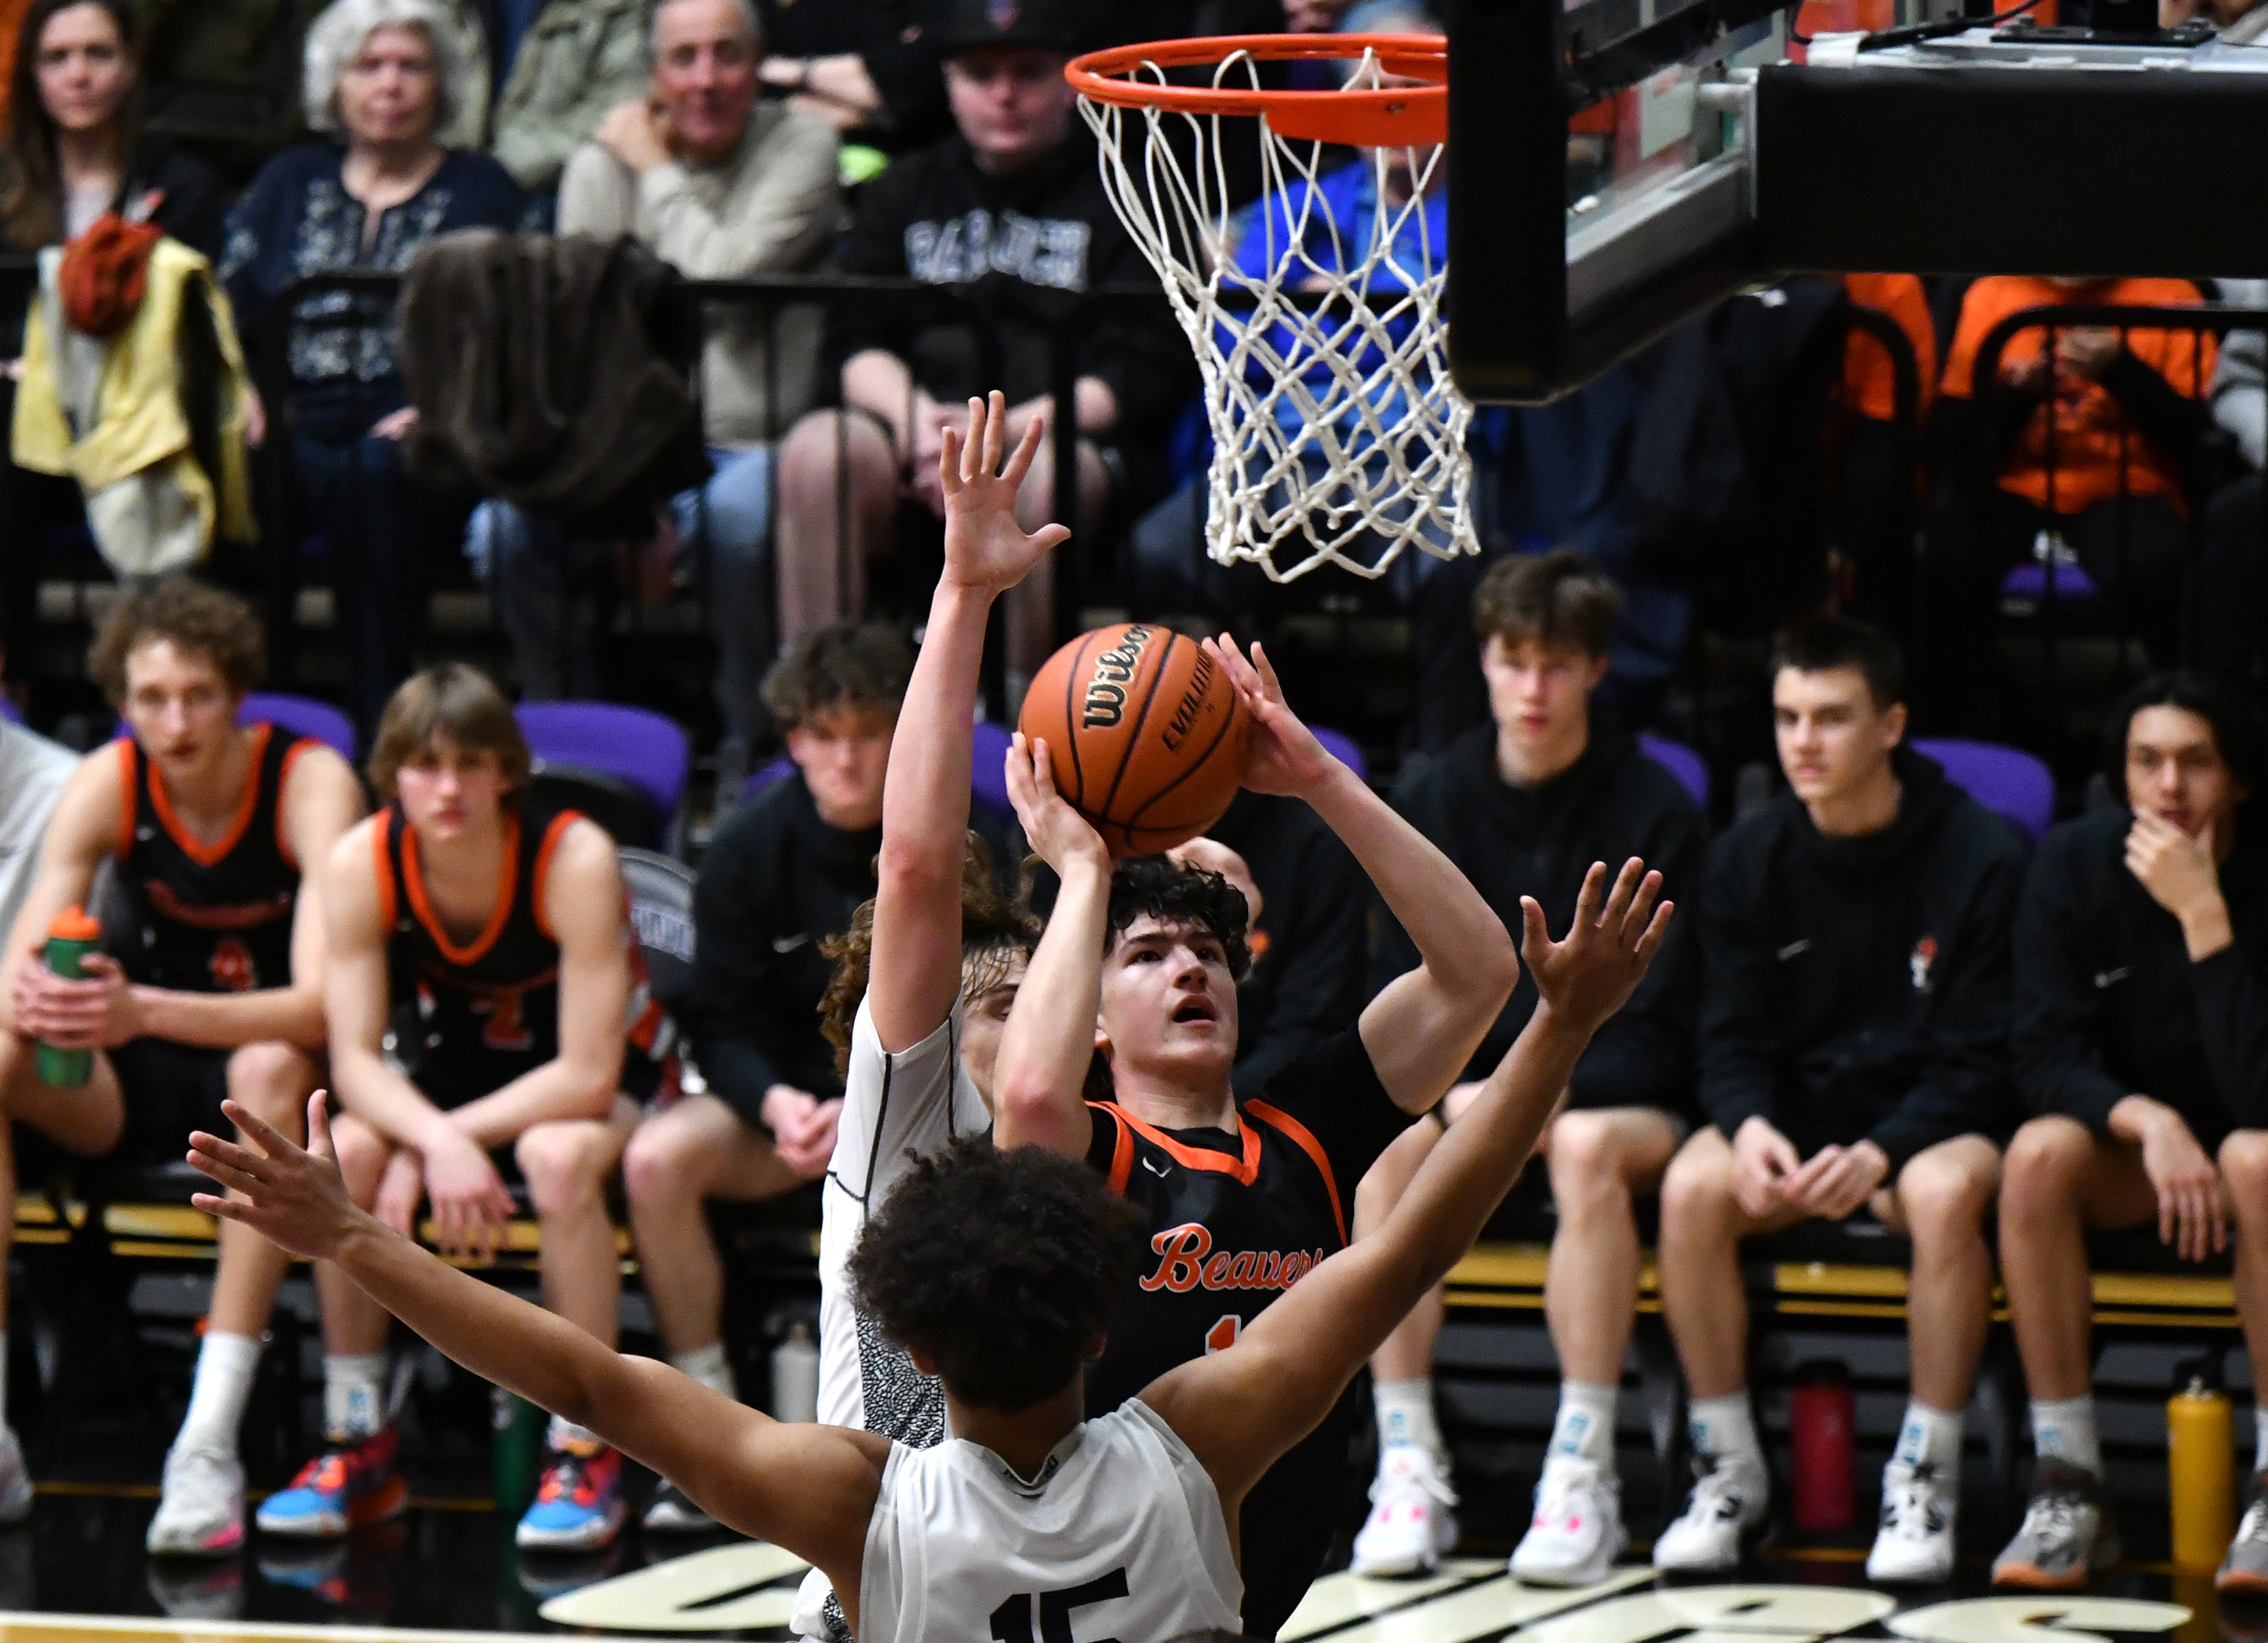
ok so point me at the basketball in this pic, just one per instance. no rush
(1147, 734)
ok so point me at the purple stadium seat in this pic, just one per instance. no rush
(2029, 580)
(1339, 743)
(2012, 784)
(302, 716)
(1681, 762)
(645, 749)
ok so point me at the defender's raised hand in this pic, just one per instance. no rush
(985, 549)
(297, 1198)
(1592, 974)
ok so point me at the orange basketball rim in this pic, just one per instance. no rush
(1394, 116)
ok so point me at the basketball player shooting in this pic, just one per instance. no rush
(999, 1271)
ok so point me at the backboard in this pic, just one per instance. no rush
(1616, 166)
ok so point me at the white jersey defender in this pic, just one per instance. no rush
(1121, 1535)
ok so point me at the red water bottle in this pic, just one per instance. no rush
(1822, 1435)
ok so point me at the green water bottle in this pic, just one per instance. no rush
(519, 1430)
(70, 938)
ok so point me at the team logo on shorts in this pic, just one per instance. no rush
(1925, 955)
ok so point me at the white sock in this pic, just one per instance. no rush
(565, 1434)
(2065, 1430)
(3, 1377)
(354, 1395)
(1931, 1436)
(2259, 1422)
(707, 1365)
(221, 1389)
(1585, 1429)
(1723, 1429)
(1405, 1414)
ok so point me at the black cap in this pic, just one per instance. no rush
(978, 23)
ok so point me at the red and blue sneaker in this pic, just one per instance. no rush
(578, 1504)
(346, 1486)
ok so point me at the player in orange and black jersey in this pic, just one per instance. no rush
(492, 938)
(212, 988)
(1133, 991)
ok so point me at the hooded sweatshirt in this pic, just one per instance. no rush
(1860, 988)
(1611, 804)
(2109, 1002)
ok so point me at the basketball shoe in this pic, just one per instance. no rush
(1577, 1532)
(1410, 1528)
(15, 1478)
(347, 1486)
(2244, 1572)
(579, 1504)
(2066, 1534)
(1914, 1544)
(1727, 1512)
(201, 1507)
(671, 1513)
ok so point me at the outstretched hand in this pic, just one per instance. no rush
(1589, 976)
(985, 549)
(1285, 756)
(1056, 832)
(294, 1196)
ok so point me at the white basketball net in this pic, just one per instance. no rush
(1338, 436)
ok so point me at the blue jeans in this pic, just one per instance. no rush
(531, 568)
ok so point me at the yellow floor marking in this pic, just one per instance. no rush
(1335, 1599)
(679, 1595)
(1481, 1610)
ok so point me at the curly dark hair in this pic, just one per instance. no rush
(1005, 1268)
(1167, 890)
(993, 930)
(861, 667)
(193, 616)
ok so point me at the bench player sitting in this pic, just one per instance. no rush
(2140, 1019)
(1132, 992)
(1001, 1270)
(215, 990)
(1520, 805)
(493, 936)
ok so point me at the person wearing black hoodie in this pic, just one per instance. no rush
(2141, 1046)
(784, 874)
(1855, 997)
(1523, 805)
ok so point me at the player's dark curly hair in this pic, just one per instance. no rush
(1005, 1268)
(995, 930)
(1163, 889)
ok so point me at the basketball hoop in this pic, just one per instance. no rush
(1338, 436)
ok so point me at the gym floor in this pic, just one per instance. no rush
(77, 1575)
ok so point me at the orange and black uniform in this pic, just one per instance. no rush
(470, 1018)
(1234, 1221)
(206, 919)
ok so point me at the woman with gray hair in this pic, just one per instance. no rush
(382, 80)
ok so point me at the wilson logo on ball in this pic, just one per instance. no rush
(1106, 692)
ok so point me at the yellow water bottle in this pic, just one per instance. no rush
(2200, 1472)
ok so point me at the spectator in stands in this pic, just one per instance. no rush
(869, 68)
(580, 60)
(74, 150)
(2141, 946)
(1014, 203)
(1855, 990)
(720, 189)
(1523, 807)
(2232, 557)
(383, 76)
(2239, 22)
(215, 987)
(780, 881)
(2087, 446)
(500, 926)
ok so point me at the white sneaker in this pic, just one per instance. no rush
(1914, 1545)
(1577, 1532)
(201, 1513)
(1728, 1504)
(15, 1478)
(1410, 1528)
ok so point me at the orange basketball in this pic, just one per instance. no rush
(1147, 734)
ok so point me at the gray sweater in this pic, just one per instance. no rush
(772, 208)
(2240, 386)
